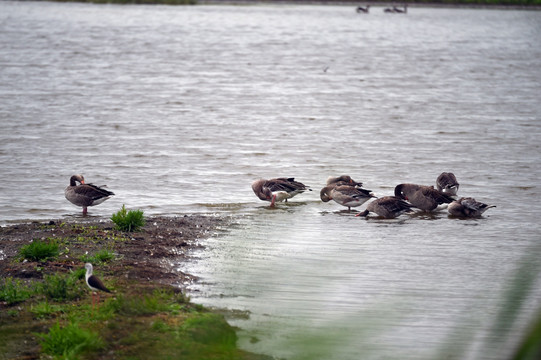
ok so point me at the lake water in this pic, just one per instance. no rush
(179, 109)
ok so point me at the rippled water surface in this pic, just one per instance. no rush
(179, 109)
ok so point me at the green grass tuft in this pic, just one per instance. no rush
(39, 250)
(13, 292)
(100, 257)
(211, 328)
(128, 220)
(45, 310)
(69, 341)
(60, 287)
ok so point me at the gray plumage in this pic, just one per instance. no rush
(388, 207)
(447, 183)
(85, 195)
(343, 180)
(279, 189)
(468, 207)
(422, 197)
(345, 195)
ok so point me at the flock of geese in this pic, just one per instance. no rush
(394, 9)
(350, 193)
(342, 189)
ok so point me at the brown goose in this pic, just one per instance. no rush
(85, 195)
(447, 183)
(468, 207)
(279, 189)
(345, 195)
(388, 207)
(422, 197)
(343, 180)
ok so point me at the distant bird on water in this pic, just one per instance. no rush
(421, 196)
(279, 189)
(364, 10)
(447, 183)
(397, 10)
(85, 195)
(468, 207)
(94, 283)
(388, 207)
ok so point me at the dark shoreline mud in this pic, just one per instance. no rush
(146, 255)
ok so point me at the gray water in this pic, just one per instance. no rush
(179, 109)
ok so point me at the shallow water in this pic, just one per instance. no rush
(179, 109)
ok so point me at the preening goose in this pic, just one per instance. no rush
(343, 180)
(279, 189)
(467, 207)
(85, 195)
(388, 207)
(447, 183)
(422, 197)
(345, 195)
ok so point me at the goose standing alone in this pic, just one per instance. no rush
(85, 195)
(422, 197)
(467, 207)
(345, 195)
(447, 183)
(388, 207)
(279, 189)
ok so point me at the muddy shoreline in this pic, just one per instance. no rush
(150, 255)
(147, 314)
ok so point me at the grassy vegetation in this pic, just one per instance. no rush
(14, 291)
(100, 257)
(70, 340)
(39, 250)
(149, 322)
(60, 287)
(126, 220)
(51, 315)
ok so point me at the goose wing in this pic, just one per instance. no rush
(92, 191)
(284, 184)
(438, 196)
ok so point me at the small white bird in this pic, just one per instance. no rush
(94, 283)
